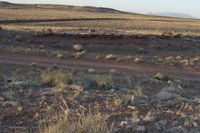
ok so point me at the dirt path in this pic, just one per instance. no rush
(140, 69)
(56, 20)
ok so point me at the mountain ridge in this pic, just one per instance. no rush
(9, 5)
(173, 14)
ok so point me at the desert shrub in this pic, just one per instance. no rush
(34, 64)
(113, 70)
(98, 56)
(60, 56)
(178, 58)
(126, 99)
(141, 50)
(161, 76)
(79, 54)
(78, 47)
(101, 82)
(138, 60)
(92, 30)
(167, 33)
(91, 70)
(56, 79)
(110, 57)
(49, 31)
(85, 123)
(138, 91)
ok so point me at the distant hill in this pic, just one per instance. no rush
(8, 5)
(4, 4)
(173, 14)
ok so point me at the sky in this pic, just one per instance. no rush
(191, 7)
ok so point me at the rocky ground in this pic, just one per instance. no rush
(26, 104)
(34, 99)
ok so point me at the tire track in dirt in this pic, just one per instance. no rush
(139, 69)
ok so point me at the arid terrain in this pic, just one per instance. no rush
(71, 69)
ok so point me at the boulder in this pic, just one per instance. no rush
(170, 92)
(164, 95)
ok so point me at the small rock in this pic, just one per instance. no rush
(129, 127)
(19, 108)
(113, 70)
(197, 100)
(149, 118)
(9, 103)
(60, 56)
(78, 47)
(116, 130)
(66, 112)
(19, 83)
(123, 124)
(18, 38)
(47, 92)
(112, 90)
(164, 95)
(110, 57)
(138, 100)
(140, 129)
(131, 107)
(76, 87)
(194, 124)
(177, 130)
(138, 60)
(174, 88)
(91, 70)
(1, 98)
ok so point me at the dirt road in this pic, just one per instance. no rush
(140, 69)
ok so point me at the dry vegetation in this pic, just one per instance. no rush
(101, 93)
(132, 23)
(136, 108)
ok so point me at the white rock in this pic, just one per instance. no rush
(123, 123)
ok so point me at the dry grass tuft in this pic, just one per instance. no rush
(110, 57)
(161, 76)
(56, 78)
(78, 47)
(103, 81)
(90, 123)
